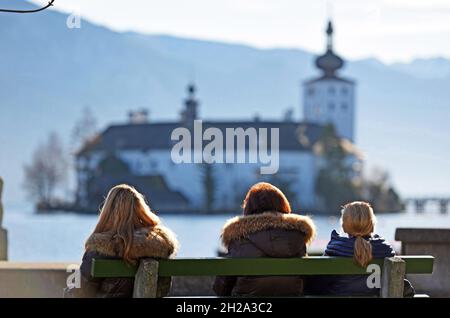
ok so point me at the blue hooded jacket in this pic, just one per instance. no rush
(344, 246)
(350, 285)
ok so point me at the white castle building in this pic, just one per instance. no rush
(139, 152)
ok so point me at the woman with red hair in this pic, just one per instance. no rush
(267, 229)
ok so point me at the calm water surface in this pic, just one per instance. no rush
(60, 237)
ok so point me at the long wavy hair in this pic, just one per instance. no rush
(358, 220)
(123, 212)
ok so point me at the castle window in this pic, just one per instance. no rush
(344, 106)
(331, 106)
(310, 91)
(344, 90)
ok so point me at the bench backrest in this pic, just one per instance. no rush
(313, 265)
(152, 277)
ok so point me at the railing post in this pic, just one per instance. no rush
(392, 278)
(146, 279)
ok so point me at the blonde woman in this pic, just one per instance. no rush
(362, 244)
(127, 229)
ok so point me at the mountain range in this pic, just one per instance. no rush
(49, 73)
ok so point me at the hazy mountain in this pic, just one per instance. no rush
(438, 67)
(49, 73)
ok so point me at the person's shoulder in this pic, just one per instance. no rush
(241, 227)
(339, 245)
(376, 239)
(380, 247)
(337, 237)
(158, 240)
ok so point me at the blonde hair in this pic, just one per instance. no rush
(358, 220)
(123, 212)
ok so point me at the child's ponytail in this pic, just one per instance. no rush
(363, 252)
(358, 220)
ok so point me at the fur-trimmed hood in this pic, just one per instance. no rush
(242, 227)
(157, 242)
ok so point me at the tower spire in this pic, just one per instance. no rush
(190, 111)
(329, 62)
(329, 36)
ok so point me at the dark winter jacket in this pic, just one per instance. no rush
(269, 234)
(156, 242)
(351, 285)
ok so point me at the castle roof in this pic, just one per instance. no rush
(296, 136)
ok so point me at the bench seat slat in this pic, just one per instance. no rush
(313, 265)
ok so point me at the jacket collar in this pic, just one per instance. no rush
(158, 242)
(241, 227)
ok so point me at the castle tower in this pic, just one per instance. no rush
(330, 98)
(189, 113)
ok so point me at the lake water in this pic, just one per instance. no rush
(60, 237)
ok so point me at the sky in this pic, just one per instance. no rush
(390, 30)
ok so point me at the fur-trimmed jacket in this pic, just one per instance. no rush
(270, 234)
(155, 242)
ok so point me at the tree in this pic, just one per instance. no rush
(85, 128)
(380, 193)
(335, 184)
(47, 170)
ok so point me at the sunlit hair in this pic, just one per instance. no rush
(358, 220)
(123, 212)
(265, 197)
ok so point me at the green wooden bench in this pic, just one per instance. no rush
(152, 277)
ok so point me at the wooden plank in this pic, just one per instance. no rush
(418, 264)
(272, 266)
(318, 265)
(146, 279)
(260, 266)
(104, 268)
(392, 278)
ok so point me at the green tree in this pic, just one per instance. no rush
(335, 183)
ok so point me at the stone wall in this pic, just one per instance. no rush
(48, 280)
(43, 280)
(434, 242)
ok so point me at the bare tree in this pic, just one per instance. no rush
(47, 170)
(85, 128)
